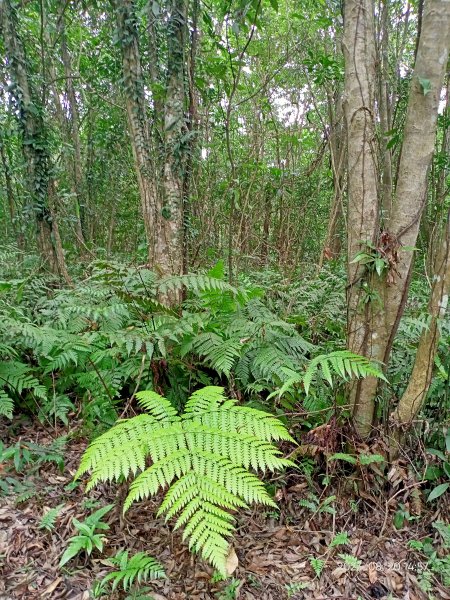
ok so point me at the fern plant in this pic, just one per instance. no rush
(48, 520)
(138, 568)
(205, 457)
(343, 363)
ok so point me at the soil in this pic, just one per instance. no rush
(274, 549)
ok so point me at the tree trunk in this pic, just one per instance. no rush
(74, 127)
(169, 245)
(162, 208)
(372, 329)
(363, 212)
(413, 397)
(137, 120)
(34, 142)
(332, 245)
(8, 184)
(59, 251)
(385, 111)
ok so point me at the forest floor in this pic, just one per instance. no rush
(274, 549)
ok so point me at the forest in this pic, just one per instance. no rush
(224, 282)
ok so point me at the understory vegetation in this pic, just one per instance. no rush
(277, 350)
(224, 285)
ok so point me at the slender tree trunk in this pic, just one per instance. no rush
(8, 184)
(59, 251)
(74, 127)
(385, 111)
(373, 320)
(138, 125)
(112, 224)
(332, 245)
(413, 398)
(34, 142)
(363, 215)
(192, 126)
(162, 208)
(169, 244)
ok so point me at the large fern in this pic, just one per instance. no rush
(16, 378)
(343, 363)
(205, 457)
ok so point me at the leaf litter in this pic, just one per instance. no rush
(272, 556)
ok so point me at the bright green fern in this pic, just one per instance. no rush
(204, 456)
(343, 363)
(138, 568)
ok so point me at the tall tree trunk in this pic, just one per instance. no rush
(372, 328)
(59, 251)
(413, 398)
(332, 245)
(74, 127)
(138, 125)
(162, 208)
(363, 213)
(192, 126)
(34, 142)
(384, 104)
(8, 183)
(169, 244)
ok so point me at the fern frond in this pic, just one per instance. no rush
(127, 441)
(205, 399)
(196, 283)
(220, 353)
(6, 405)
(344, 363)
(138, 568)
(205, 458)
(160, 408)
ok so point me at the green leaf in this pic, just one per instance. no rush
(438, 491)
(380, 266)
(339, 539)
(425, 84)
(205, 457)
(368, 459)
(345, 457)
(72, 550)
(362, 257)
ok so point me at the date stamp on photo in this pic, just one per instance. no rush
(415, 566)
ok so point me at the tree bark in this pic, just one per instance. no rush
(138, 125)
(372, 330)
(384, 104)
(34, 142)
(162, 206)
(332, 244)
(74, 127)
(363, 208)
(169, 244)
(413, 398)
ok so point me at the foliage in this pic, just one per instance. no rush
(317, 506)
(94, 343)
(342, 362)
(230, 591)
(88, 539)
(22, 454)
(48, 520)
(132, 570)
(204, 456)
(317, 564)
(430, 551)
